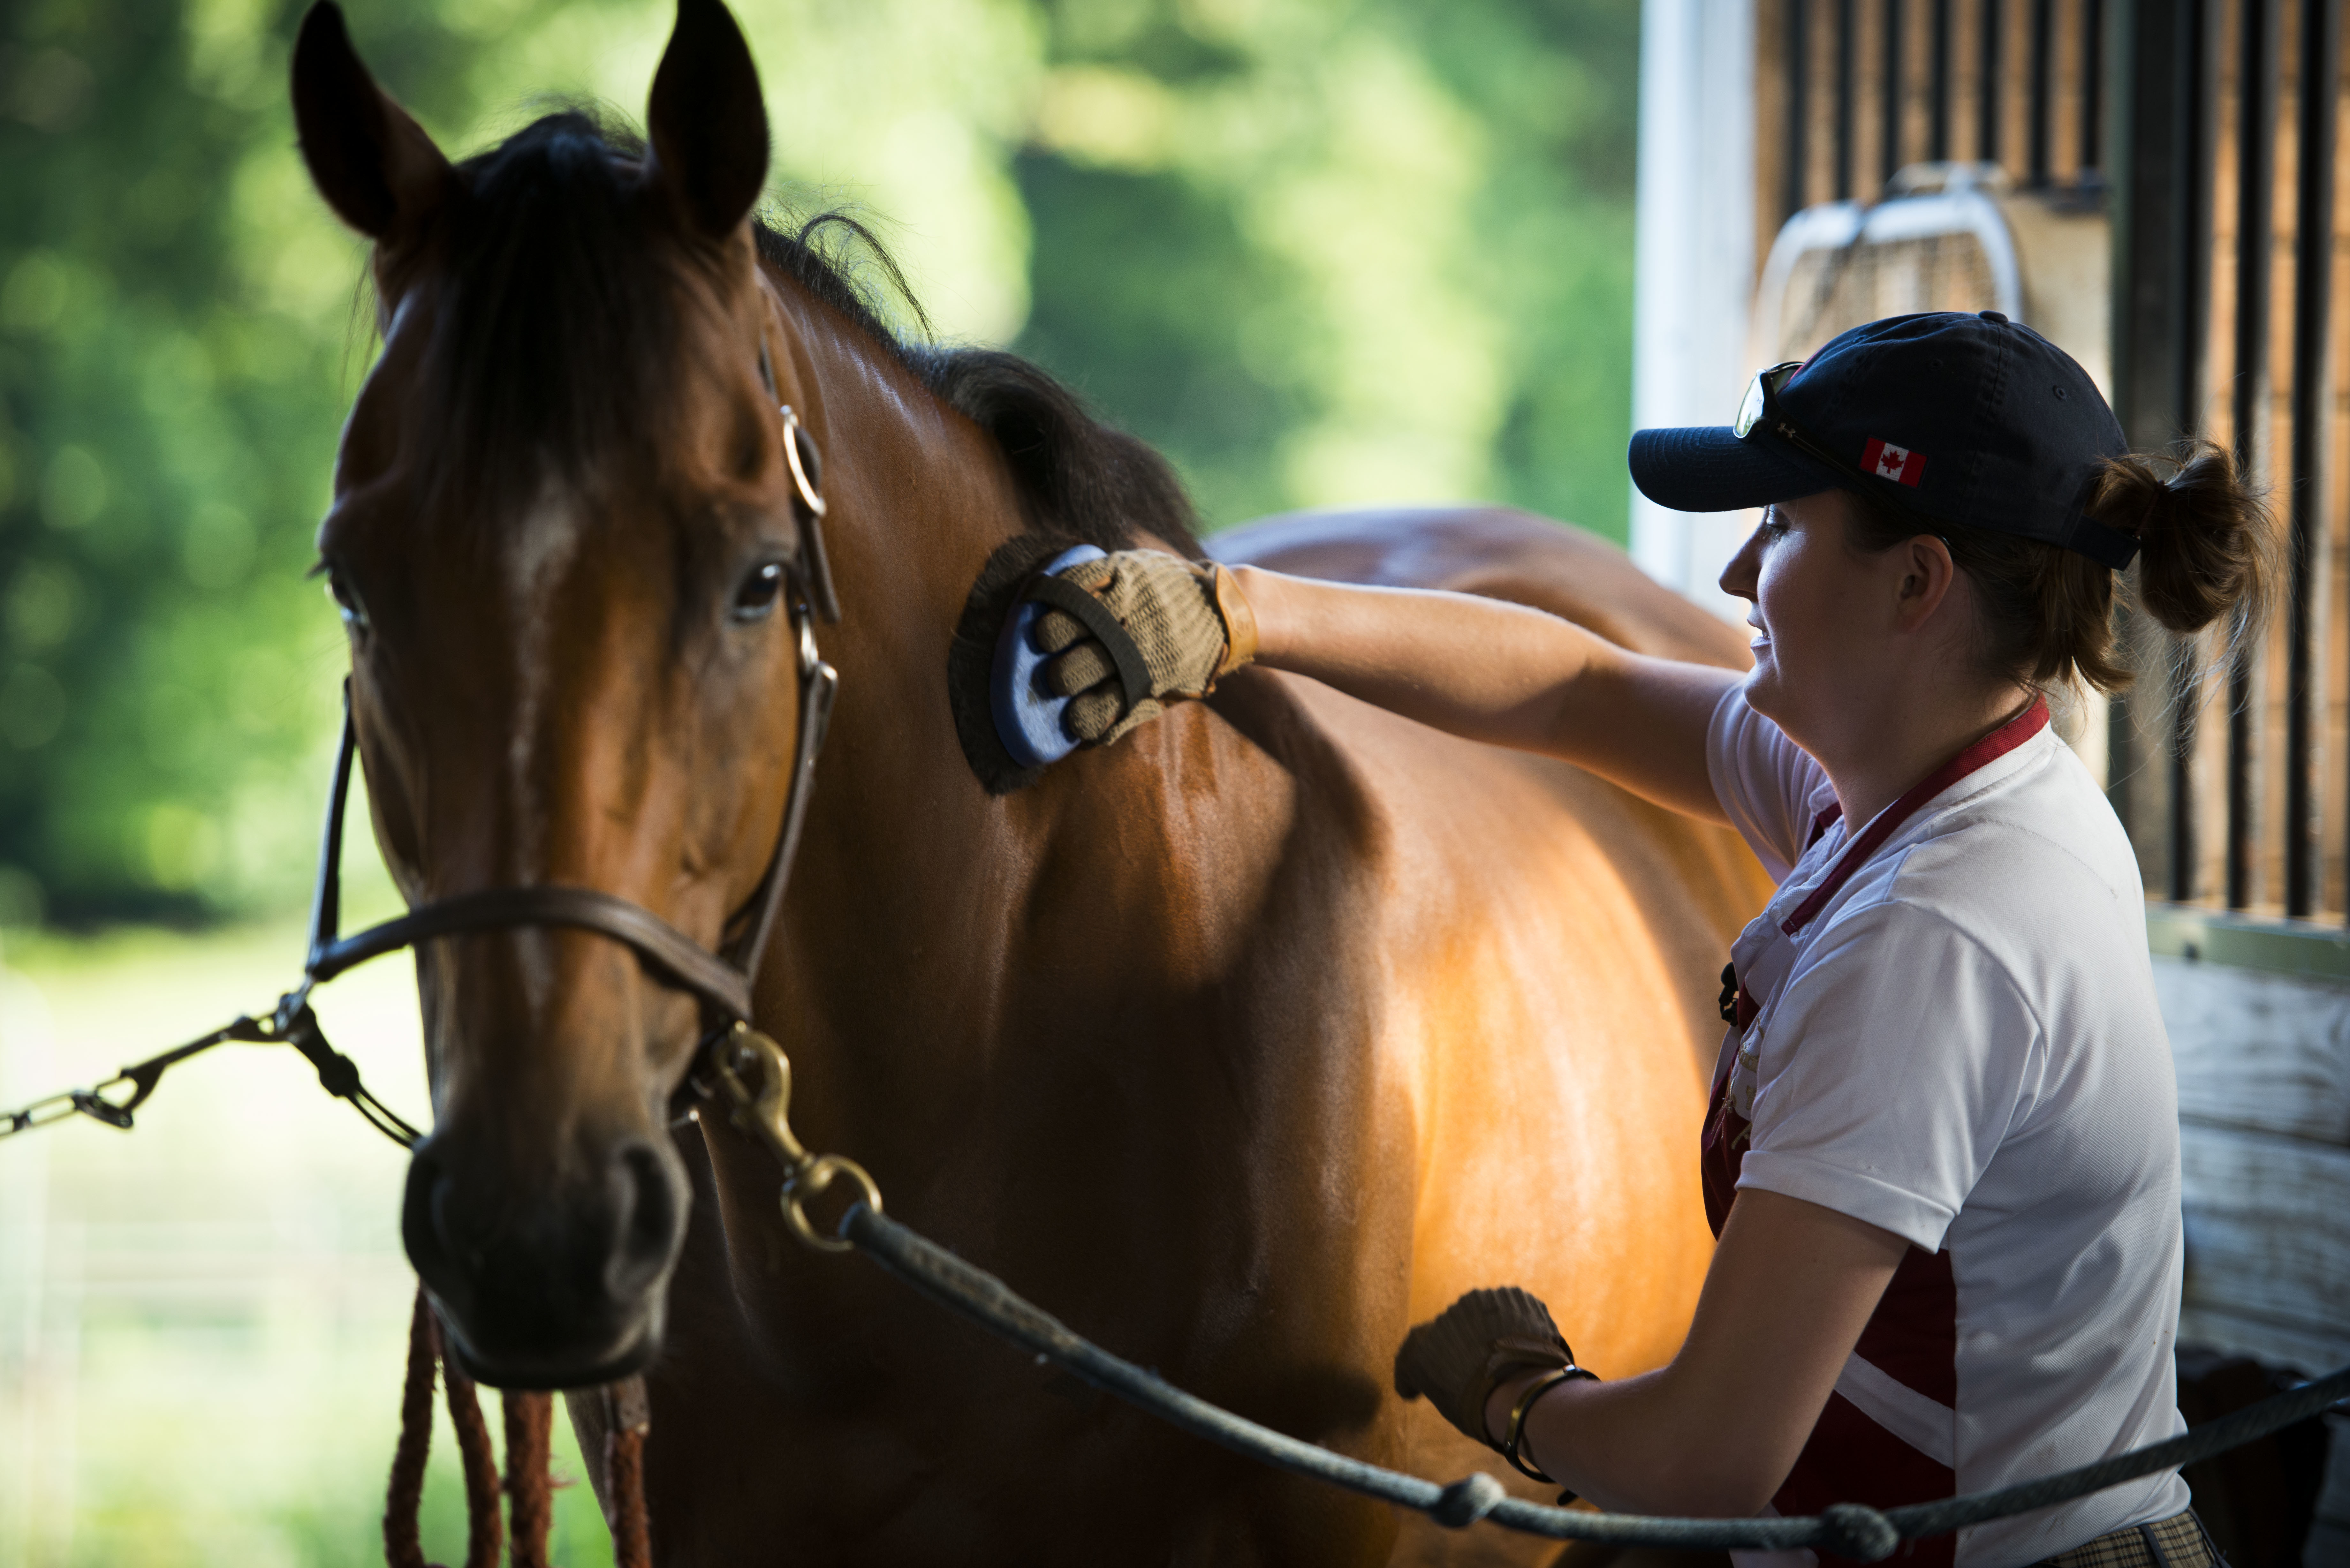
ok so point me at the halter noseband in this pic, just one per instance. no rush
(722, 979)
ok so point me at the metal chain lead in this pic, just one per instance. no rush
(291, 1023)
(764, 1111)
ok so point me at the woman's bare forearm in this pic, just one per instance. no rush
(1716, 1432)
(1500, 673)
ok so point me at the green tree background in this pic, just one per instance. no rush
(1319, 251)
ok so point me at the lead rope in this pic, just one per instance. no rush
(753, 1074)
(402, 1547)
(403, 1543)
(527, 1484)
(627, 1419)
(530, 1421)
(481, 1529)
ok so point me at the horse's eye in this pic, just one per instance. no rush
(347, 601)
(756, 599)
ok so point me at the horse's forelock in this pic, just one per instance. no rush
(555, 344)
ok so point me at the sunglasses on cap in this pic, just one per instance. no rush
(1760, 409)
(2021, 433)
(1762, 399)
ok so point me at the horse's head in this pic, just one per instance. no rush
(562, 535)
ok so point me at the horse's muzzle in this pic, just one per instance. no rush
(565, 1292)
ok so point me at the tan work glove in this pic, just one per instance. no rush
(1483, 1340)
(1188, 617)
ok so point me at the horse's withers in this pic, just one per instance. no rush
(1240, 1043)
(558, 535)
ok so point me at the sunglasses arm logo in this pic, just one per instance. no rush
(1760, 408)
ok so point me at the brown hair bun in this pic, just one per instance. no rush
(2208, 547)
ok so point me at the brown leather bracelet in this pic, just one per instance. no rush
(1516, 1434)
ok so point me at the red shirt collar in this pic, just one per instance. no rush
(1983, 753)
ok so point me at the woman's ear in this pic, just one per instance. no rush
(709, 122)
(1928, 577)
(373, 164)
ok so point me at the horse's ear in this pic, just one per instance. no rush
(708, 123)
(373, 164)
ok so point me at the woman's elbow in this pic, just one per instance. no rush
(1703, 1486)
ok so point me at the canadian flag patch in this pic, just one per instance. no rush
(1886, 460)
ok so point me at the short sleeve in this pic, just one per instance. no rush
(1889, 1071)
(1769, 787)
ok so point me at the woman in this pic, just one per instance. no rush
(1942, 1158)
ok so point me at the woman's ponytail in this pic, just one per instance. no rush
(2207, 545)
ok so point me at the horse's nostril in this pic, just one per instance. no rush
(420, 1211)
(544, 1281)
(646, 1207)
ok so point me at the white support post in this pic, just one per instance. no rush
(1695, 262)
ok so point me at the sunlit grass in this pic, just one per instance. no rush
(202, 1322)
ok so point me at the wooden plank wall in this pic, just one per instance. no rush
(2265, 1134)
(2244, 400)
(1933, 114)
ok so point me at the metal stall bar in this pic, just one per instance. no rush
(2313, 409)
(2256, 120)
(1891, 81)
(1988, 65)
(2092, 84)
(2040, 64)
(1847, 46)
(2191, 149)
(1793, 182)
(1938, 124)
(2162, 294)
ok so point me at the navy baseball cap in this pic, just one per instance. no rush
(1971, 420)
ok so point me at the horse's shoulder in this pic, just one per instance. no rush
(1497, 552)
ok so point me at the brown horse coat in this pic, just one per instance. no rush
(1239, 1044)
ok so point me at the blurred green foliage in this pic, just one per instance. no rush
(1320, 251)
(1332, 253)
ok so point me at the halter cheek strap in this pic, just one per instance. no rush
(721, 979)
(677, 957)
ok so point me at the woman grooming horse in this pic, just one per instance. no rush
(1242, 1044)
(1942, 1155)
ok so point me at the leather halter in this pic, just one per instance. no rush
(722, 979)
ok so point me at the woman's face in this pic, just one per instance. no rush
(1820, 617)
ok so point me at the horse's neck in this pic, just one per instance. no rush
(937, 937)
(893, 939)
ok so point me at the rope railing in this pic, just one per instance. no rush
(1848, 1530)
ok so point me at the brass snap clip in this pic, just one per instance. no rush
(766, 1111)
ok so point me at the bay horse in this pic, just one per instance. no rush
(1238, 1045)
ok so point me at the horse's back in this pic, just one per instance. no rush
(1697, 882)
(1496, 552)
(1551, 940)
(1517, 556)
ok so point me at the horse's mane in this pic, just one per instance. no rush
(557, 324)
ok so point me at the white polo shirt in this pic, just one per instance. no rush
(1960, 1044)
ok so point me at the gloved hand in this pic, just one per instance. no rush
(1473, 1347)
(1188, 617)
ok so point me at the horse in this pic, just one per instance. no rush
(1239, 1044)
